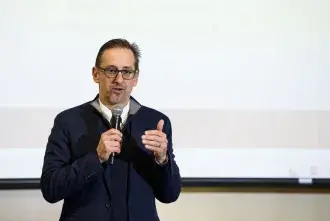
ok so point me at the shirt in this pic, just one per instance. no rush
(108, 114)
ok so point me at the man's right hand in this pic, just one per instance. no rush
(110, 142)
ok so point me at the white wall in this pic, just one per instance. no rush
(258, 69)
(226, 54)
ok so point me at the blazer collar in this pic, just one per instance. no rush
(134, 105)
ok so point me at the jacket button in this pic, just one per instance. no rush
(107, 205)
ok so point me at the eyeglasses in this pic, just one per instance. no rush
(112, 73)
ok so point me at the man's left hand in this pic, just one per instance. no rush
(156, 141)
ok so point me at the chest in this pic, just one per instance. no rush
(85, 136)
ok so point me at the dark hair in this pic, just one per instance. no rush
(119, 43)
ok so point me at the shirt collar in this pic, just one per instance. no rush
(107, 112)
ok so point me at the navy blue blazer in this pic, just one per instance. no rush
(124, 191)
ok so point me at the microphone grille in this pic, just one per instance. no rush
(117, 111)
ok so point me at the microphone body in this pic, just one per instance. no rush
(115, 123)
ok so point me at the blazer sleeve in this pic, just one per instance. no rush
(167, 183)
(60, 177)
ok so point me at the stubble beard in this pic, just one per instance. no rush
(115, 98)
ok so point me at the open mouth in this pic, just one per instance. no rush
(117, 90)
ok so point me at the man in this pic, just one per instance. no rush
(77, 159)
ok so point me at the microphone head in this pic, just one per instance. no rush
(117, 110)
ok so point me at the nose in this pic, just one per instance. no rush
(119, 78)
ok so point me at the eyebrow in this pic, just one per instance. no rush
(113, 66)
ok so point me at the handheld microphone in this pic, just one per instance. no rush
(115, 123)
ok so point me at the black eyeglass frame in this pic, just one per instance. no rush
(113, 73)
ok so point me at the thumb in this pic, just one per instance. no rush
(160, 125)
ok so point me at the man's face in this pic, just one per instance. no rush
(115, 90)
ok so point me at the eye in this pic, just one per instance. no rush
(127, 72)
(111, 70)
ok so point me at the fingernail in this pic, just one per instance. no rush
(143, 136)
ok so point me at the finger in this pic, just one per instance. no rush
(163, 145)
(113, 143)
(115, 150)
(114, 137)
(113, 146)
(113, 131)
(155, 132)
(151, 143)
(160, 125)
(153, 138)
(155, 149)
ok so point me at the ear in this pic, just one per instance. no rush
(136, 79)
(96, 76)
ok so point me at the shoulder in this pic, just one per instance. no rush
(71, 114)
(146, 112)
(153, 116)
(153, 113)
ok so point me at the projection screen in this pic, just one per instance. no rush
(244, 82)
